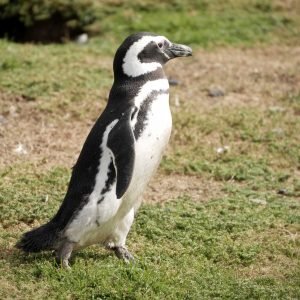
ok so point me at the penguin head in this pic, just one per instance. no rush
(143, 52)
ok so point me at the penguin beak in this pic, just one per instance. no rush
(177, 50)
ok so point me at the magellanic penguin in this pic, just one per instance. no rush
(119, 156)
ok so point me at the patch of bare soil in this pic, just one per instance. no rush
(29, 135)
(276, 266)
(163, 188)
(8, 287)
(247, 77)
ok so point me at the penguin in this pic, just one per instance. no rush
(119, 157)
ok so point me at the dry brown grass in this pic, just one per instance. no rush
(273, 264)
(251, 77)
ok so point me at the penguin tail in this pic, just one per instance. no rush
(39, 239)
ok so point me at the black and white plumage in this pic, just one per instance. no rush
(119, 156)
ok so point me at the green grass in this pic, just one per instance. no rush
(24, 185)
(59, 76)
(257, 151)
(205, 23)
(184, 250)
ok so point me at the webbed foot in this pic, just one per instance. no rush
(122, 253)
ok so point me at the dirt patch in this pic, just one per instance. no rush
(273, 264)
(8, 287)
(249, 77)
(163, 188)
(29, 135)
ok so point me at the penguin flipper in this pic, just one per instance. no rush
(121, 142)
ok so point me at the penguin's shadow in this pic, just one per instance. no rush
(17, 258)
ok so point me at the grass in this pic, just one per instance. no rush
(205, 250)
(201, 22)
(260, 138)
(25, 71)
(270, 149)
(243, 244)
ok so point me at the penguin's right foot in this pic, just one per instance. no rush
(122, 253)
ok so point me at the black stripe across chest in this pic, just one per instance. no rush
(143, 112)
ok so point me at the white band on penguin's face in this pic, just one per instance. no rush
(132, 66)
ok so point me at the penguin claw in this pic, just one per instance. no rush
(122, 253)
(63, 263)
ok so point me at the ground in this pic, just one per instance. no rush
(220, 219)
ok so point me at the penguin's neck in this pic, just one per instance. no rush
(127, 88)
(121, 78)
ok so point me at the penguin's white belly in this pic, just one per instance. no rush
(96, 223)
(149, 148)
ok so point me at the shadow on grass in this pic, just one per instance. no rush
(16, 258)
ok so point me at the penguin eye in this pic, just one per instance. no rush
(160, 45)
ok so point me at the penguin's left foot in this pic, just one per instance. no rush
(63, 254)
(122, 253)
